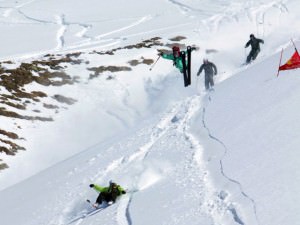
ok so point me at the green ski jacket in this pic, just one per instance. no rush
(177, 60)
(106, 189)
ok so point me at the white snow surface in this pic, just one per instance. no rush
(185, 156)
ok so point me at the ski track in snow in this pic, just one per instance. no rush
(139, 156)
(231, 208)
(136, 23)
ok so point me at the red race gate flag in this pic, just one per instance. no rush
(292, 63)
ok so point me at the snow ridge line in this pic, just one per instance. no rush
(231, 209)
(34, 19)
(134, 24)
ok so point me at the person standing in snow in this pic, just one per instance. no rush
(255, 48)
(107, 194)
(210, 70)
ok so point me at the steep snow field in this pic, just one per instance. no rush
(185, 156)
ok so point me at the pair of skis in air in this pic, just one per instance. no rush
(186, 65)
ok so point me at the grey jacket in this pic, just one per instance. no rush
(254, 42)
(209, 69)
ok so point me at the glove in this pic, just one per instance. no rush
(160, 53)
(92, 185)
(193, 48)
(123, 192)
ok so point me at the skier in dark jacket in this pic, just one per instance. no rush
(210, 70)
(255, 48)
(107, 194)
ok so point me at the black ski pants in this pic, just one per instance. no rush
(252, 55)
(107, 197)
(209, 80)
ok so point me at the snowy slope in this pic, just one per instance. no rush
(184, 155)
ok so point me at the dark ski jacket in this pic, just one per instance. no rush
(254, 42)
(209, 69)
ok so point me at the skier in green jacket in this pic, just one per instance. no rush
(107, 194)
(175, 57)
(178, 61)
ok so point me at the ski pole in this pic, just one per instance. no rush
(154, 63)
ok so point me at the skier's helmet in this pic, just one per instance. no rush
(205, 61)
(251, 35)
(112, 183)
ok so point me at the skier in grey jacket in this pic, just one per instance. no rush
(210, 70)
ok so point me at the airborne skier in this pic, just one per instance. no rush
(182, 61)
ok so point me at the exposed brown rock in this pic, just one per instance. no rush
(144, 44)
(101, 69)
(133, 62)
(49, 106)
(3, 166)
(13, 147)
(9, 134)
(177, 38)
(4, 112)
(136, 62)
(148, 61)
(63, 99)
(18, 106)
(6, 151)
